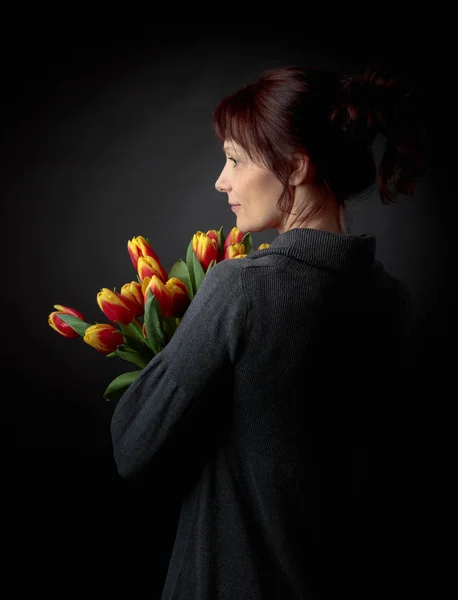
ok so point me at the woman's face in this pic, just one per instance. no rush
(252, 188)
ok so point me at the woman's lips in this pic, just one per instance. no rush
(235, 207)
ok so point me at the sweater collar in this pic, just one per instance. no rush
(323, 249)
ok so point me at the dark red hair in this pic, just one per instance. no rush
(333, 118)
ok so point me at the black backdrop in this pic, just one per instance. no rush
(106, 139)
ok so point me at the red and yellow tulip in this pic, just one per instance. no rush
(172, 296)
(234, 236)
(205, 248)
(234, 251)
(179, 294)
(139, 246)
(147, 266)
(159, 289)
(133, 292)
(103, 337)
(117, 308)
(58, 325)
(213, 235)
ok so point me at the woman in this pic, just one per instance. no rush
(249, 404)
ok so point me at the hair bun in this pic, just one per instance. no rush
(373, 102)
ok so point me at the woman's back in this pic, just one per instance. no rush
(276, 450)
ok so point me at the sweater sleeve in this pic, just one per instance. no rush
(164, 410)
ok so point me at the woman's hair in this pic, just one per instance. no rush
(333, 118)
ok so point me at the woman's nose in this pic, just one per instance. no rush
(221, 184)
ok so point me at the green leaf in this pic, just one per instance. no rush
(181, 271)
(77, 324)
(169, 325)
(221, 240)
(142, 348)
(134, 337)
(153, 323)
(199, 273)
(126, 353)
(190, 265)
(120, 384)
(247, 242)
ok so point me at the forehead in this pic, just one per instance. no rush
(231, 146)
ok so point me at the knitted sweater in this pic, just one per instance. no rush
(250, 405)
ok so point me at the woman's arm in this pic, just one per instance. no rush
(163, 410)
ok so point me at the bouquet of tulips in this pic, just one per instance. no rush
(145, 313)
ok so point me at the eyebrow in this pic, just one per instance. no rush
(226, 148)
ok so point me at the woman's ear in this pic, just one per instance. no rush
(302, 171)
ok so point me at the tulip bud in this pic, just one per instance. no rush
(263, 246)
(179, 297)
(139, 246)
(147, 266)
(103, 337)
(58, 325)
(133, 292)
(233, 250)
(117, 308)
(213, 235)
(162, 293)
(205, 248)
(233, 237)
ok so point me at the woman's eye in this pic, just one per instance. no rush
(234, 161)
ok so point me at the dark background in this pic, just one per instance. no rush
(104, 138)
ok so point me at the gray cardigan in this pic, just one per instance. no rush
(251, 405)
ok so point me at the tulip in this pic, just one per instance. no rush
(58, 325)
(263, 246)
(133, 292)
(147, 266)
(233, 237)
(162, 293)
(234, 250)
(139, 246)
(103, 337)
(213, 235)
(179, 294)
(205, 248)
(117, 308)
(172, 296)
